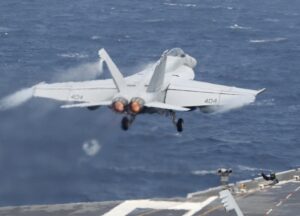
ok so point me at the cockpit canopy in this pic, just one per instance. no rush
(177, 52)
(184, 58)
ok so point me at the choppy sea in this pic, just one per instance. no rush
(53, 155)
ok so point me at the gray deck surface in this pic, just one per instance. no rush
(277, 200)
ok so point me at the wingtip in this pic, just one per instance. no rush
(261, 91)
(101, 52)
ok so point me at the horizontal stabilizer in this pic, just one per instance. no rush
(260, 91)
(103, 103)
(160, 105)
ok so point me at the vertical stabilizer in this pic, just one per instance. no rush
(158, 76)
(114, 70)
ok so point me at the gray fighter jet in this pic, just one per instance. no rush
(168, 87)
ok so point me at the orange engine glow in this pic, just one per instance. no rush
(119, 106)
(135, 107)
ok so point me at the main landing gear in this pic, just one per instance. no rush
(126, 122)
(178, 123)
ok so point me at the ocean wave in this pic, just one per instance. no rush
(142, 169)
(236, 26)
(73, 55)
(266, 102)
(154, 20)
(4, 29)
(294, 108)
(271, 20)
(147, 170)
(222, 7)
(230, 141)
(247, 168)
(270, 40)
(5, 33)
(95, 37)
(204, 172)
(180, 4)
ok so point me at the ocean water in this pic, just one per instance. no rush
(53, 155)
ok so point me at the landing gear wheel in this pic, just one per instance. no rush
(125, 123)
(179, 125)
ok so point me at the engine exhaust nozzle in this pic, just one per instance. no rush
(119, 104)
(136, 105)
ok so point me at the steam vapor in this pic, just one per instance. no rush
(87, 71)
(235, 103)
(16, 99)
(91, 147)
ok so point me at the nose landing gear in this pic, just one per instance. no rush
(126, 122)
(178, 123)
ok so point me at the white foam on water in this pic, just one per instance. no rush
(73, 55)
(247, 168)
(204, 172)
(180, 5)
(16, 99)
(269, 40)
(95, 37)
(236, 26)
(91, 147)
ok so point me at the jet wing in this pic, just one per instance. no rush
(160, 105)
(191, 93)
(87, 91)
(88, 104)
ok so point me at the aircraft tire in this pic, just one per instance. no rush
(125, 123)
(179, 125)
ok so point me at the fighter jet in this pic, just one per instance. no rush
(167, 88)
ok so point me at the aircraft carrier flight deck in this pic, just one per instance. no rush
(252, 197)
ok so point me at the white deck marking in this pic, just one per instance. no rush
(288, 196)
(268, 212)
(128, 206)
(298, 188)
(278, 204)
